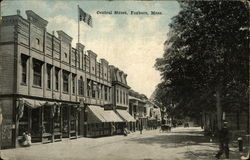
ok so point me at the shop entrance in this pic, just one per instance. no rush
(65, 119)
(35, 125)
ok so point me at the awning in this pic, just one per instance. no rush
(111, 116)
(97, 114)
(36, 103)
(125, 115)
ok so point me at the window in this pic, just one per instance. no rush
(49, 76)
(117, 96)
(24, 68)
(97, 90)
(93, 89)
(127, 98)
(37, 41)
(37, 73)
(73, 83)
(101, 91)
(65, 81)
(123, 97)
(120, 96)
(66, 55)
(110, 94)
(81, 86)
(57, 78)
(105, 93)
(89, 87)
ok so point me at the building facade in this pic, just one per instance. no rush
(120, 90)
(53, 90)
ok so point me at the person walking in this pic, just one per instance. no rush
(223, 136)
(141, 127)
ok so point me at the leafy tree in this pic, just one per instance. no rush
(205, 62)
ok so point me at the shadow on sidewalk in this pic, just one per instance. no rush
(174, 139)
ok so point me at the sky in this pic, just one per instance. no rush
(129, 42)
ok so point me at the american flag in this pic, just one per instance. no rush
(85, 17)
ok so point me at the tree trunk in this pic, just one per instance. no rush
(218, 108)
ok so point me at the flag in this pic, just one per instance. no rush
(85, 17)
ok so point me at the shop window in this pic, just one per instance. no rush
(49, 76)
(37, 73)
(57, 119)
(24, 68)
(23, 121)
(65, 82)
(57, 78)
(81, 86)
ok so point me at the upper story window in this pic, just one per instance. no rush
(24, 69)
(120, 96)
(88, 87)
(94, 88)
(110, 94)
(73, 83)
(105, 93)
(65, 81)
(117, 96)
(65, 55)
(37, 73)
(101, 91)
(81, 86)
(124, 98)
(127, 98)
(57, 78)
(37, 41)
(49, 76)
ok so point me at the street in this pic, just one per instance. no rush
(181, 143)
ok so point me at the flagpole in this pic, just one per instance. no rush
(78, 25)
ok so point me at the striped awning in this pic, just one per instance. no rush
(125, 115)
(97, 114)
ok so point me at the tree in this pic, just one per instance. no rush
(205, 61)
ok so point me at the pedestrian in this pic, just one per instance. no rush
(26, 140)
(223, 136)
(113, 129)
(141, 128)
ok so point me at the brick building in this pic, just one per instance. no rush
(51, 89)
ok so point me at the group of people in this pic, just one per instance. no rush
(125, 130)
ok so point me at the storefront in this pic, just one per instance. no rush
(46, 121)
(102, 122)
(129, 120)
